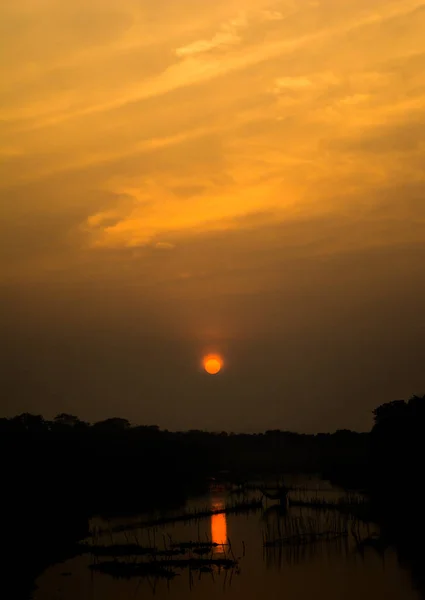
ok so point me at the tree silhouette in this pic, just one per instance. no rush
(68, 420)
(112, 424)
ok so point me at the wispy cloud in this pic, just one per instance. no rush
(198, 66)
(228, 35)
(247, 116)
(164, 246)
(271, 15)
(292, 83)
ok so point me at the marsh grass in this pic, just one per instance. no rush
(298, 530)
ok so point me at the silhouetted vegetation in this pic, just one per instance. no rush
(397, 479)
(57, 474)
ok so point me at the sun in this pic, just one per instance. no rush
(212, 364)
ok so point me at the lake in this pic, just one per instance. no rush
(295, 554)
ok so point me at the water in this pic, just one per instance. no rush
(330, 569)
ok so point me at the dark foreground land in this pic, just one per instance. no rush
(57, 474)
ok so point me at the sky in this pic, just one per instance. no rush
(243, 178)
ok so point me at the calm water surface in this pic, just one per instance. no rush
(332, 570)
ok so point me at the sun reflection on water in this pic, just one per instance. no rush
(218, 526)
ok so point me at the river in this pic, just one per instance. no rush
(322, 553)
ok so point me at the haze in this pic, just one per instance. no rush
(243, 178)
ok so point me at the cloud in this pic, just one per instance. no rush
(292, 83)
(198, 140)
(220, 39)
(187, 191)
(271, 15)
(355, 99)
(403, 137)
(227, 35)
(164, 246)
(195, 67)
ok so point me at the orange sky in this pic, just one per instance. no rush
(250, 171)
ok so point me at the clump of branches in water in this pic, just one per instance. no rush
(351, 505)
(174, 549)
(304, 530)
(192, 515)
(150, 561)
(161, 568)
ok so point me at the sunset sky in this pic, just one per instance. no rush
(238, 177)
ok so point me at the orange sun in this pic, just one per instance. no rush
(212, 364)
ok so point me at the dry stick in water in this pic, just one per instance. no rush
(230, 549)
(224, 582)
